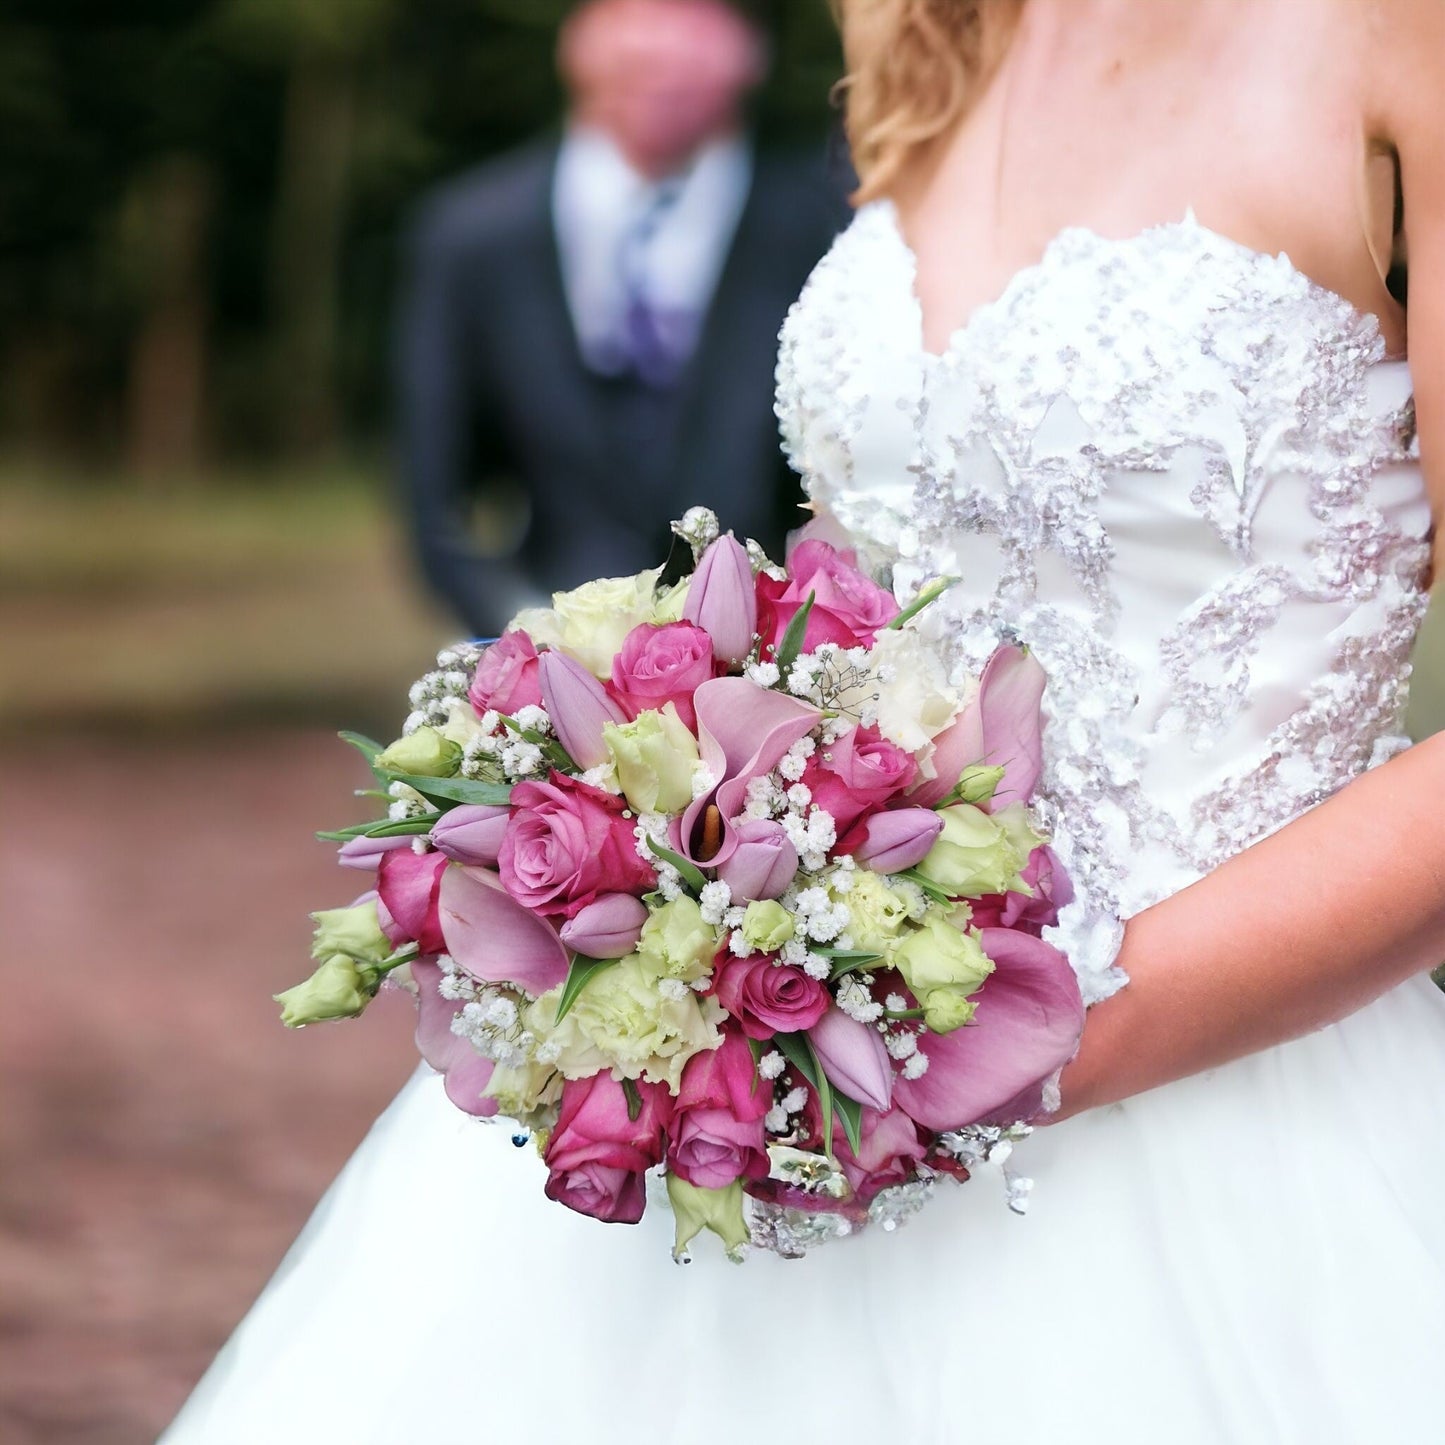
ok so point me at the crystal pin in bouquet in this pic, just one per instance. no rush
(723, 882)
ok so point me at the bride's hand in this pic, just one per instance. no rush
(1287, 937)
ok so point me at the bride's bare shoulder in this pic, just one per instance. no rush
(1404, 45)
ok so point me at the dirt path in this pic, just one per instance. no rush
(162, 1138)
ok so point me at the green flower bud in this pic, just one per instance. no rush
(424, 753)
(355, 931)
(339, 989)
(655, 756)
(978, 783)
(720, 1210)
(945, 1009)
(767, 925)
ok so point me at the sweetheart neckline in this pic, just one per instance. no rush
(1029, 274)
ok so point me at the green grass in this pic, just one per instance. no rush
(285, 596)
(243, 597)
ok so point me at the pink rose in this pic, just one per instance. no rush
(848, 607)
(717, 1130)
(889, 1152)
(567, 842)
(597, 1156)
(767, 997)
(1051, 891)
(408, 884)
(506, 677)
(858, 774)
(663, 664)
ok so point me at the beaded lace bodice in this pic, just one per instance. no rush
(1181, 472)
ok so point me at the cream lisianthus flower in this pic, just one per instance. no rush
(592, 621)
(942, 965)
(978, 853)
(678, 942)
(639, 1025)
(654, 756)
(877, 913)
(339, 989)
(767, 925)
(720, 1210)
(528, 1094)
(354, 931)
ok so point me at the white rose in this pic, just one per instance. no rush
(592, 621)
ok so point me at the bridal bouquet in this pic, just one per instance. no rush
(725, 881)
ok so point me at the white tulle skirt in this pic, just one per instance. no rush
(1256, 1254)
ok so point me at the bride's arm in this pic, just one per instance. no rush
(1317, 920)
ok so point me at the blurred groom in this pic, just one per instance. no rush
(590, 324)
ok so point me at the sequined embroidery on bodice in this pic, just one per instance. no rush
(1181, 472)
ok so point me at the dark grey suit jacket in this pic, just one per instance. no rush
(493, 389)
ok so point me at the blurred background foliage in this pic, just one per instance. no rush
(200, 206)
(200, 209)
(200, 202)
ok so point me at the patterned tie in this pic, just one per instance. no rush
(654, 341)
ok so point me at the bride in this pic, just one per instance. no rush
(1118, 335)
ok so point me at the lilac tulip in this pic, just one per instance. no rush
(578, 706)
(493, 937)
(763, 863)
(854, 1058)
(471, 834)
(1027, 1026)
(722, 601)
(606, 928)
(365, 853)
(898, 840)
(466, 1071)
(1001, 727)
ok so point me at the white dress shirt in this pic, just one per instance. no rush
(598, 200)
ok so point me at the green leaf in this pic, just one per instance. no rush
(386, 828)
(759, 1047)
(926, 598)
(456, 790)
(850, 1111)
(551, 747)
(578, 977)
(370, 749)
(933, 891)
(688, 872)
(792, 643)
(634, 1099)
(846, 960)
(798, 1050)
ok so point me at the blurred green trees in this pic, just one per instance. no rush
(199, 203)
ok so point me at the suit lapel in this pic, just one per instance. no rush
(711, 440)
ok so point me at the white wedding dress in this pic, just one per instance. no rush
(1186, 476)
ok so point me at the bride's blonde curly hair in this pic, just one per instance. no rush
(914, 67)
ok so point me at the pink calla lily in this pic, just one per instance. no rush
(467, 1073)
(743, 732)
(854, 1058)
(493, 937)
(1028, 1024)
(1000, 727)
